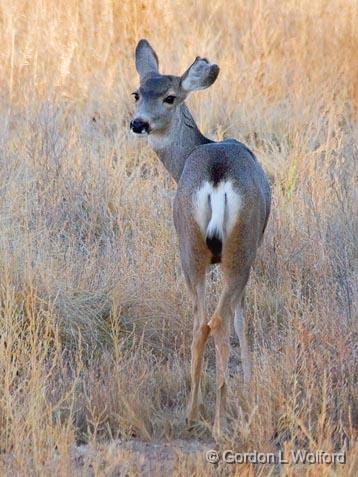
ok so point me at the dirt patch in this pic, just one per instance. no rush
(132, 458)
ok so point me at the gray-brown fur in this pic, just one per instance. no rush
(199, 164)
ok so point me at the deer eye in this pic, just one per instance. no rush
(136, 95)
(169, 99)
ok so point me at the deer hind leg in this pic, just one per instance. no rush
(240, 325)
(194, 272)
(220, 330)
(201, 332)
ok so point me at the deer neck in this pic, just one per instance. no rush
(175, 145)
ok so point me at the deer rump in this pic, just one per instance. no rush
(216, 210)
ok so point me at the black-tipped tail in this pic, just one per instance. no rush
(215, 246)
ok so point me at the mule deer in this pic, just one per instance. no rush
(221, 209)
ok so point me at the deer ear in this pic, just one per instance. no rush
(146, 59)
(200, 75)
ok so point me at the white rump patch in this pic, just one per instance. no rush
(216, 208)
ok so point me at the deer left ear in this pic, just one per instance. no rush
(146, 59)
(200, 75)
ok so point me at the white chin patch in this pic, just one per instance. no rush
(143, 133)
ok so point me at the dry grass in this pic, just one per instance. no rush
(95, 322)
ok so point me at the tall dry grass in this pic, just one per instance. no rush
(95, 322)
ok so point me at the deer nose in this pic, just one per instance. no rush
(139, 126)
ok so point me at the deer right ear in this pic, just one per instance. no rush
(200, 75)
(146, 59)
